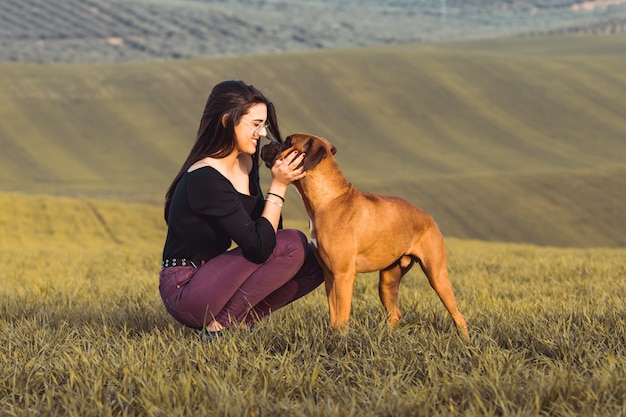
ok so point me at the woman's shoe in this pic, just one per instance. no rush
(209, 336)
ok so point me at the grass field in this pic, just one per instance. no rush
(518, 140)
(83, 332)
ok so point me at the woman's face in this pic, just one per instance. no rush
(250, 128)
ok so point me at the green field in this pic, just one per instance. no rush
(515, 146)
(518, 140)
(83, 332)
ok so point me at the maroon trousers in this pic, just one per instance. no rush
(231, 290)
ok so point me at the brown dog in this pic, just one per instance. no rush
(354, 231)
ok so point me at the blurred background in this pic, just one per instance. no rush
(504, 119)
(129, 30)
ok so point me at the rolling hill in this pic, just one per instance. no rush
(45, 31)
(505, 140)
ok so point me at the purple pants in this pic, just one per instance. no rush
(231, 290)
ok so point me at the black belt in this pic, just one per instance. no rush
(181, 262)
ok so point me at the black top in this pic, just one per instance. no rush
(206, 214)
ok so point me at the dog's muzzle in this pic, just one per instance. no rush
(270, 152)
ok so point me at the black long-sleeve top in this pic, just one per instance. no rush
(206, 214)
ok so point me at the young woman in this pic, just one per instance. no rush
(216, 199)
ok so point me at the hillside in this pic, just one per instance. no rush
(41, 222)
(121, 30)
(505, 140)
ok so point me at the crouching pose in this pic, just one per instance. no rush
(216, 199)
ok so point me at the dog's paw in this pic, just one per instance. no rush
(461, 329)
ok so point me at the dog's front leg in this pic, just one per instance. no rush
(339, 288)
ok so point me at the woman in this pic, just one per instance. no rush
(216, 199)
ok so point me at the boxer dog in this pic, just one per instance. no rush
(354, 231)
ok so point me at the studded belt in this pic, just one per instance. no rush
(181, 262)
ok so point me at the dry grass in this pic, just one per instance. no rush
(83, 333)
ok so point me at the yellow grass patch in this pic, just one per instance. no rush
(83, 332)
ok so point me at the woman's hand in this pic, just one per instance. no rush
(289, 169)
(284, 172)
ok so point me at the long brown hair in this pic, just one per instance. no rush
(233, 99)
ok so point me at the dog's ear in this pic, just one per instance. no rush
(332, 148)
(314, 154)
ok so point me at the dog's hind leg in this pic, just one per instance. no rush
(389, 285)
(432, 257)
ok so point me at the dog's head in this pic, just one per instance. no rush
(315, 148)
